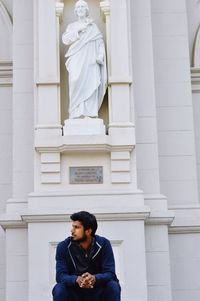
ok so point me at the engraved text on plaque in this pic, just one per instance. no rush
(86, 175)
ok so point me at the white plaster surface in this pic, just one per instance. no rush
(157, 256)
(185, 266)
(196, 105)
(16, 264)
(177, 162)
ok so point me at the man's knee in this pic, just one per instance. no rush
(60, 292)
(113, 288)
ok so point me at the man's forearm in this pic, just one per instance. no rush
(67, 279)
(104, 277)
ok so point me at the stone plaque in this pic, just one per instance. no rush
(86, 175)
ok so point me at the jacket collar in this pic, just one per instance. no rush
(98, 247)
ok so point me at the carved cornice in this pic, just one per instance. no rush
(195, 79)
(85, 148)
(187, 219)
(21, 221)
(184, 229)
(59, 9)
(195, 69)
(6, 73)
(78, 143)
(161, 216)
(11, 221)
(105, 7)
(122, 81)
(12, 224)
(196, 50)
(125, 216)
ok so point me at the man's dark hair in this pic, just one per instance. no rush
(87, 219)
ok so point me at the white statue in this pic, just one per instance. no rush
(86, 64)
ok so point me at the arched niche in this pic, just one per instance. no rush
(5, 34)
(68, 17)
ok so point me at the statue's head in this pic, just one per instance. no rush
(81, 8)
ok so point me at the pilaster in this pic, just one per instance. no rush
(119, 72)
(177, 159)
(23, 103)
(147, 151)
(119, 83)
(47, 67)
(22, 149)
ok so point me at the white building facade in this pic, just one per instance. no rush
(147, 203)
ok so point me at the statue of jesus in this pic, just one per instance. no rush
(86, 64)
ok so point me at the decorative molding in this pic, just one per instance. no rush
(105, 8)
(84, 143)
(59, 9)
(120, 167)
(150, 197)
(6, 73)
(9, 224)
(185, 207)
(187, 219)
(184, 229)
(50, 168)
(161, 216)
(195, 79)
(79, 148)
(83, 193)
(46, 218)
(196, 50)
(47, 82)
(17, 201)
(44, 131)
(48, 126)
(122, 125)
(195, 69)
(11, 221)
(120, 80)
(159, 220)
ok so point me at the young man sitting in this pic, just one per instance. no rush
(85, 266)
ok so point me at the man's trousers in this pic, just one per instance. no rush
(108, 292)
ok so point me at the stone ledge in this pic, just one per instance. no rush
(184, 229)
(187, 219)
(80, 143)
(124, 216)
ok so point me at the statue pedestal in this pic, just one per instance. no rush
(84, 126)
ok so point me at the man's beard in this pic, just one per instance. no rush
(83, 239)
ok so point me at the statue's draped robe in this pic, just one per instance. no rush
(87, 78)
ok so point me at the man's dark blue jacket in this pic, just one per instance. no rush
(102, 263)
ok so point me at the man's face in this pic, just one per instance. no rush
(81, 10)
(78, 232)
